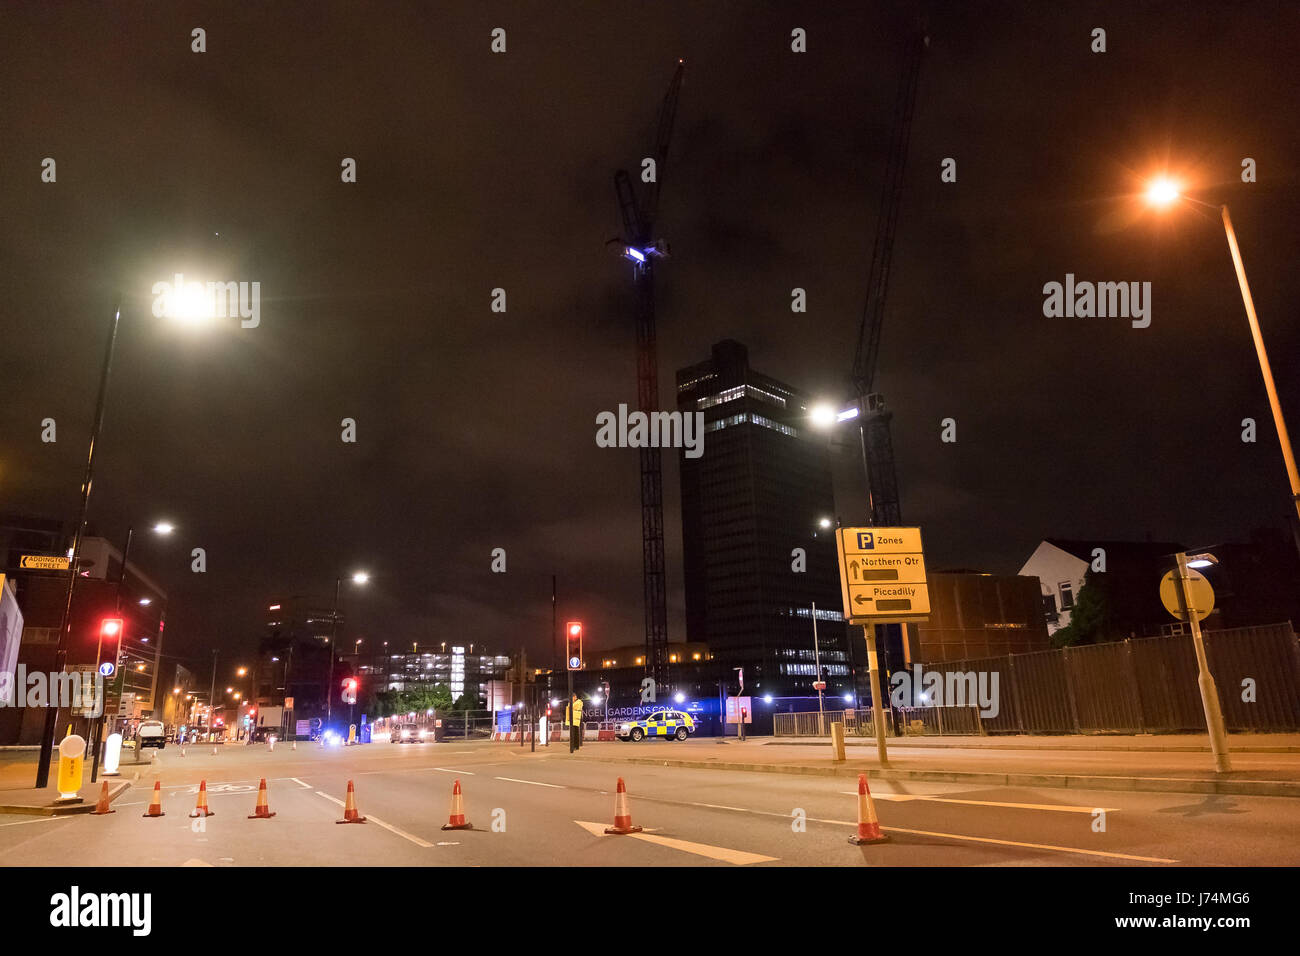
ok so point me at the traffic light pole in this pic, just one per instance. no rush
(65, 629)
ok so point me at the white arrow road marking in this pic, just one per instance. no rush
(380, 823)
(738, 857)
(534, 783)
(907, 797)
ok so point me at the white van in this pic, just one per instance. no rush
(152, 734)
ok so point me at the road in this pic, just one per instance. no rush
(550, 808)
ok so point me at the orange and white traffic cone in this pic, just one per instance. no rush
(102, 806)
(622, 812)
(155, 802)
(456, 819)
(868, 823)
(350, 813)
(263, 809)
(201, 806)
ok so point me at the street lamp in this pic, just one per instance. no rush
(358, 578)
(1162, 193)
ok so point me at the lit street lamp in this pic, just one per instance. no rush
(358, 578)
(1162, 193)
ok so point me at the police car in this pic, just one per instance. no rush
(669, 724)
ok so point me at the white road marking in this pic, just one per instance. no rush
(195, 862)
(467, 773)
(553, 786)
(727, 855)
(718, 806)
(17, 823)
(305, 786)
(380, 823)
(908, 797)
(1030, 846)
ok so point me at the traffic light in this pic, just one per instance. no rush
(349, 690)
(110, 628)
(573, 644)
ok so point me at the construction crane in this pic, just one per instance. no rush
(642, 247)
(877, 443)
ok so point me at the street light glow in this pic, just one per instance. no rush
(164, 527)
(360, 577)
(1162, 191)
(822, 416)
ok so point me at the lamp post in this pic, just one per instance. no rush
(1163, 192)
(358, 577)
(193, 311)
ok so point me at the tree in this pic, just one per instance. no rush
(1092, 619)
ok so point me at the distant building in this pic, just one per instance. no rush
(979, 615)
(293, 657)
(466, 669)
(1061, 563)
(102, 592)
(761, 490)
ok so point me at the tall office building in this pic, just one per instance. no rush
(760, 490)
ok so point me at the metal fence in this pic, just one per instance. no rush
(1147, 685)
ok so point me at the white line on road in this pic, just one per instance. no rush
(33, 820)
(305, 786)
(467, 773)
(727, 855)
(718, 806)
(378, 822)
(553, 786)
(908, 797)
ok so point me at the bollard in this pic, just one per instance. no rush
(72, 755)
(837, 741)
(112, 755)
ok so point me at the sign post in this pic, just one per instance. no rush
(1188, 596)
(882, 581)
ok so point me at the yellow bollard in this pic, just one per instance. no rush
(72, 755)
(837, 741)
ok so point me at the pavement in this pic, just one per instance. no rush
(551, 808)
(1111, 763)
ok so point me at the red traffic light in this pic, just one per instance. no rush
(573, 644)
(575, 629)
(110, 628)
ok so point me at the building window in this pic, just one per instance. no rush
(1067, 595)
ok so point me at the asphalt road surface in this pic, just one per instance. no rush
(550, 808)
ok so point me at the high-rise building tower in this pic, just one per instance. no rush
(760, 490)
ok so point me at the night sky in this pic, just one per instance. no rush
(476, 171)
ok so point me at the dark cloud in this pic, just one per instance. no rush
(476, 172)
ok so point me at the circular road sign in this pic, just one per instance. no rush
(575, 663)
(107, 668)
(1200, 595)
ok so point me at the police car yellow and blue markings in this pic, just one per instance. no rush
(659, 725)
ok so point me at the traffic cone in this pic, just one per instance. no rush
(622, 812)
(102, 806)
(155, 802)
(263, 810)
(201, 807)
(868, 823)
(350, 814)
(456, 819)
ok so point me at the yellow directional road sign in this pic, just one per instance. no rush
(882, 575)
(43, 562)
